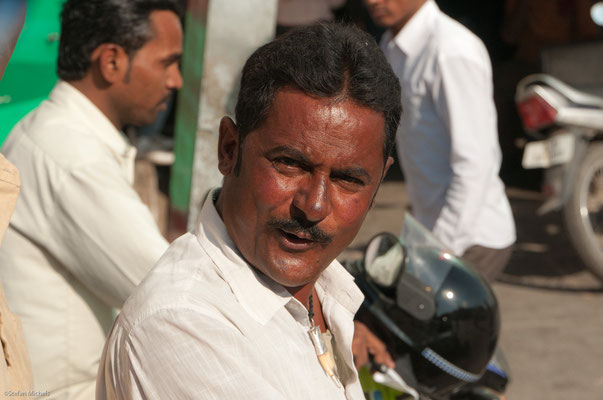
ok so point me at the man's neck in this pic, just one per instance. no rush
(395, 29)
(99, 98)
(302, 293)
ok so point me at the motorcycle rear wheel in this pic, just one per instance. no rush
(583, 212)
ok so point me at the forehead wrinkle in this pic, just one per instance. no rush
(334, 122)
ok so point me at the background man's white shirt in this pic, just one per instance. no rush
(80, 239)
(447, 139)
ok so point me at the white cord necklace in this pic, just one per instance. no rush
(322, 352)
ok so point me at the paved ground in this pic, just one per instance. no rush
(552, 309)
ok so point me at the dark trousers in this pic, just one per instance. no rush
(488, 262)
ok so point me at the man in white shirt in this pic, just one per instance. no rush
(80, 239)
(228, 311)
(447, 139)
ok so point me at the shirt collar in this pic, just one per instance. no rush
(260, 296)
(413, 37)
(92, 118)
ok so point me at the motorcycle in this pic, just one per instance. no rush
(567, 126)
(438, 318)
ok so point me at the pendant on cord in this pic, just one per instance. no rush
(324, 356)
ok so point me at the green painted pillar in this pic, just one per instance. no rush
(219, 36)
(187, 112)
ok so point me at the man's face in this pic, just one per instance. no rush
(393, 14)
(307, 178)
(153, 72)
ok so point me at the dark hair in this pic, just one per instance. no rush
(86, 24)
(323, 60)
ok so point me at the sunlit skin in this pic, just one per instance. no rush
(393, 14)
(315, 161)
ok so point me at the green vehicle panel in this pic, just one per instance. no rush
(31, 72)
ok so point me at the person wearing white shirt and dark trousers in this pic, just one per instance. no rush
(447, 140)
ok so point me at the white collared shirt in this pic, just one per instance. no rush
(447, 139)
(79, 241)
(204, 324)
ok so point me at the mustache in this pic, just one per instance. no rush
(307, 229)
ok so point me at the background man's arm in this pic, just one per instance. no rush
(106, 236)
(464, 102)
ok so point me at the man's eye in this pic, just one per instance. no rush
(286, 161)
(350, 180)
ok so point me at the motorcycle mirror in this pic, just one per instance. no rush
(596, 13)
(384, 259)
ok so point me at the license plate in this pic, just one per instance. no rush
(556, 150)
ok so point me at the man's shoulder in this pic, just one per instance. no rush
(48, 131)
(184, 280)
(453, 39)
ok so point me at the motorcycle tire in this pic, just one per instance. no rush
(583, 212)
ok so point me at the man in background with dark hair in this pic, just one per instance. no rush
(80, 239)
(229, 312)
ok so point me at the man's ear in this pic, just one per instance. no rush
(112, 62)
(388, 164)
(228, 146)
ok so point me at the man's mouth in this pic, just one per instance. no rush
(295, 241)
(378, 12)
(298, 237)
(298, 232)
(164, 102)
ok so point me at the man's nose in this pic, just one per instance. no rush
(174, 80)
(313, 198)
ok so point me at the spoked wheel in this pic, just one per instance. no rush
(584, 211)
